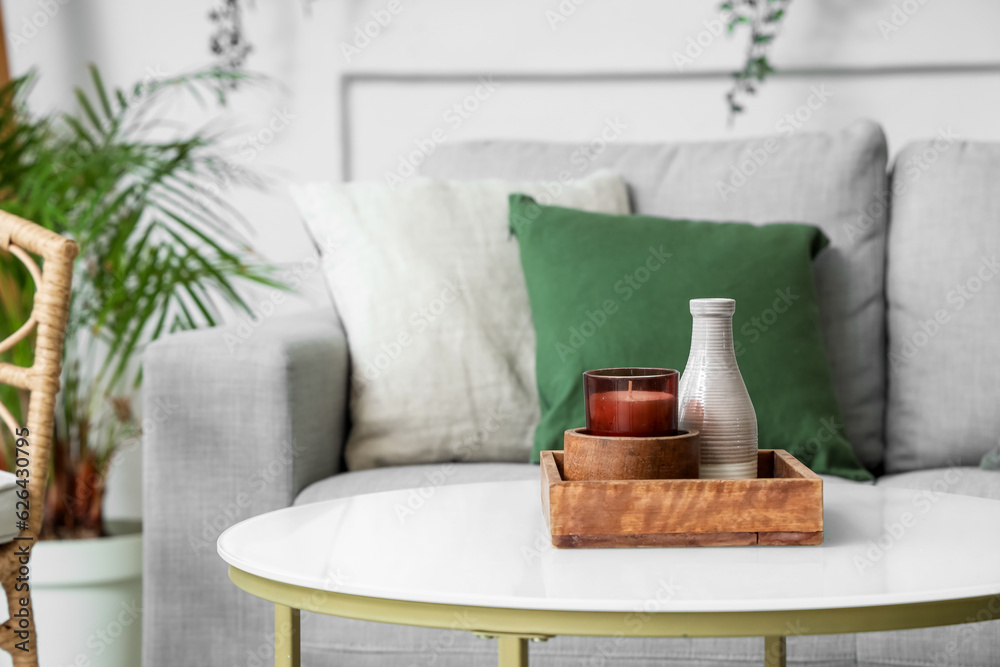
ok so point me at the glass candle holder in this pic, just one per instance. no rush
(631, 402)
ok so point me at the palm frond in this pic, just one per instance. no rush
(143, 198)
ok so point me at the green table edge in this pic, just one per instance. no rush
(648, 622)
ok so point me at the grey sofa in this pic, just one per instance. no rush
(910, 307)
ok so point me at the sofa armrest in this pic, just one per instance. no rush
(236, 422)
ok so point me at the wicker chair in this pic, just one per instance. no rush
(21, 239)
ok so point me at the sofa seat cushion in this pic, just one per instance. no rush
(419, 477)
(963, 481)
(834, 180)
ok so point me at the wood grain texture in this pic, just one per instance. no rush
(594, 457)
(788, 539)
(783, 509)
(654, 540)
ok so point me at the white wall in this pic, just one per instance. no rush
(939, 69)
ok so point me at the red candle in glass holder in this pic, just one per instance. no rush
(631, 402)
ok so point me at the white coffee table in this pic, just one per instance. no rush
(893, 559)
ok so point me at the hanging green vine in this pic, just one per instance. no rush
(763, 18)
(228, 43)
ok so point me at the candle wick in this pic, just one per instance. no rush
(630, 389)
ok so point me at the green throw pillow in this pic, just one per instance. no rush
(613, 290)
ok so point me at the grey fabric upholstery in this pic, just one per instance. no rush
(970, 645)
(836, 181)
(833, 479)
(943, 291)
(965, 481)
(235, 426)
(334, 642)
(412, 477)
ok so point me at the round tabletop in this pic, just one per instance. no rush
(487, 545)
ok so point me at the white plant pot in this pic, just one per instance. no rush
(87, 599)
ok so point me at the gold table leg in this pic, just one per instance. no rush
(774, 651)
(513, 651)
(286, 636)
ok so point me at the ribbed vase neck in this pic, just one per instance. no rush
(720, 307)
(712, 336)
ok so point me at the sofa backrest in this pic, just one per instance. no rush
(836, 181)
(943, 295)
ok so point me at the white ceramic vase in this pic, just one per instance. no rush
(713, 397)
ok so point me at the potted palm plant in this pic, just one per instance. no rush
(160, 251)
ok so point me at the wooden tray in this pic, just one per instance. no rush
(783, 506)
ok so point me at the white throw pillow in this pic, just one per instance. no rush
(428, 285)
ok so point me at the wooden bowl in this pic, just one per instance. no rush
(589, 457)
